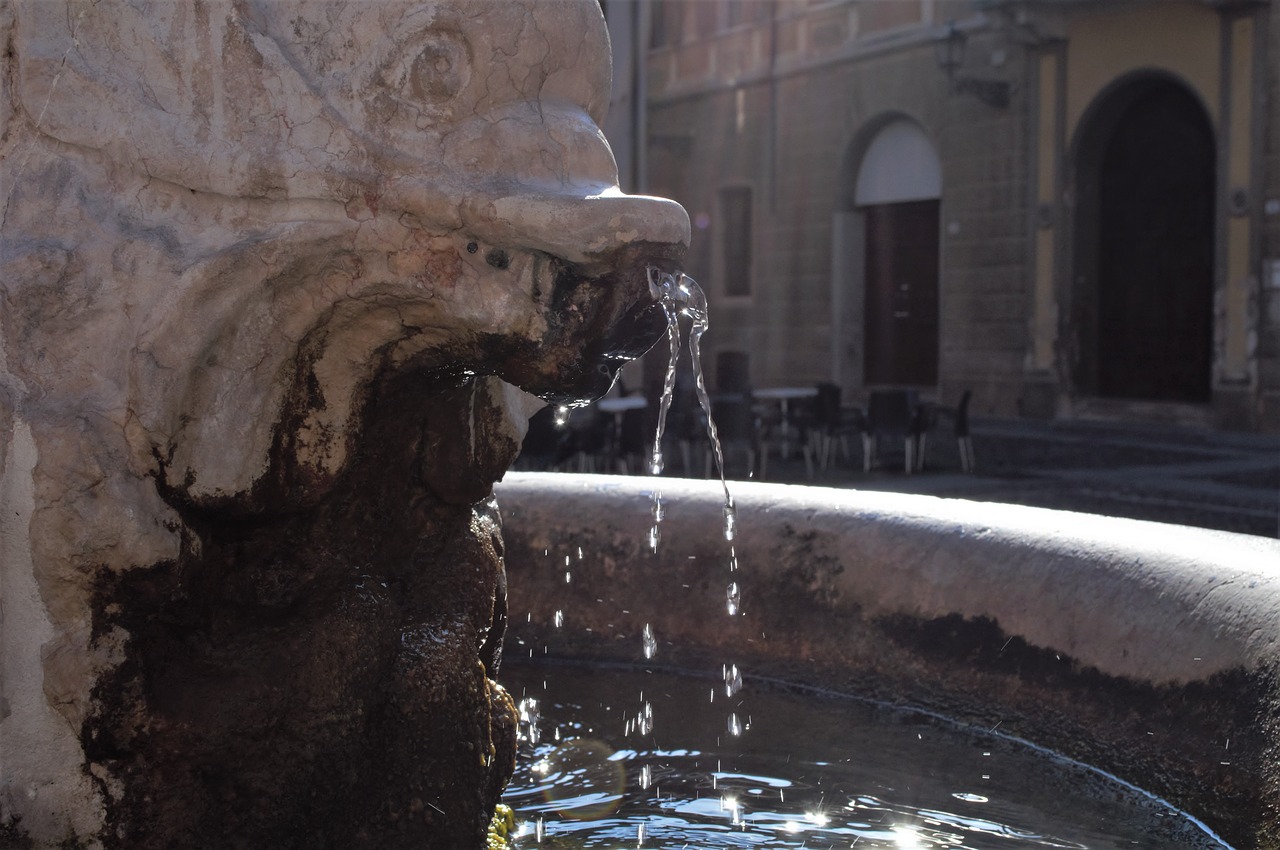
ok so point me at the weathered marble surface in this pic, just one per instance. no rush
(238, 239)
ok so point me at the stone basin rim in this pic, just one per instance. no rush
(1215, 594)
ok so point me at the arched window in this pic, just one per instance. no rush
(900, 165)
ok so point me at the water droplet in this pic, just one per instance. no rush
(559, 619)
(733, 598)
(639, 834)
(732, 680)
(646, 777)
(562, 417)
(734, 725)
(527, 728)
(656, 462)
(659, 511)
(655, 535)
(539, 831)
(650, 642)
(568, 576)
(644, 722)
(730, 521)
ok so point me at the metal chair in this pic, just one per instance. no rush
(541, 448)
(632, 448)
(832, 424)
(890, 414)
(961, 430)
(794, 427)
(959, 416)
(585, 441)
(923, 420)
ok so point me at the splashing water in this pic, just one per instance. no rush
(732, 680)
(650, 642)
(644, 720)
(530, 714)
(733, 598)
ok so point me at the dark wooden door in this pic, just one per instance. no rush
(1155, 257)
(901, 311)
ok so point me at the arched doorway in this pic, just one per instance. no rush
(1143, 295)
(897, 191)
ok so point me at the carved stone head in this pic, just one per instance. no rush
(349, 184)
(233, 232)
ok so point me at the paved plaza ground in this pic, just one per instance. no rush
(1211, 479)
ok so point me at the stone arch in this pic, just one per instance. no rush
(885, 257)
(1143, 165)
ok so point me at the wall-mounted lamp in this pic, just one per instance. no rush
(950, 54)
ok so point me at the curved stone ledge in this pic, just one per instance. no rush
(1151, 651)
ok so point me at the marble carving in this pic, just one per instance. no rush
(278, 279)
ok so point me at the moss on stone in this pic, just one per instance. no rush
(501, 828)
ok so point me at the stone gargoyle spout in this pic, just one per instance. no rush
(282, 281)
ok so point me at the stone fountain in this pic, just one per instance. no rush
(279, 280)
(1147, 650)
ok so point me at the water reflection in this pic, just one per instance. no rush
(811, 773)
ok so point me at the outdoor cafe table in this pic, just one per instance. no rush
(783, 395)
(621, 404)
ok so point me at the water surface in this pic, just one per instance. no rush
(807, 771)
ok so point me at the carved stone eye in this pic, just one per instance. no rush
(440, 68)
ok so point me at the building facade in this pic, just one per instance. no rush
(1069, 207)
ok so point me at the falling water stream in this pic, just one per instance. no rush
(679, 296)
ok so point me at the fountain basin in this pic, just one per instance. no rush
(1150, 651)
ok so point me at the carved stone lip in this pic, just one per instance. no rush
(581, 227)
(578, 223)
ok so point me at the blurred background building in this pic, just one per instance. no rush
(1069, 207)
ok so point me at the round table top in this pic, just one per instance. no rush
(618, 404)
(786, 392)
